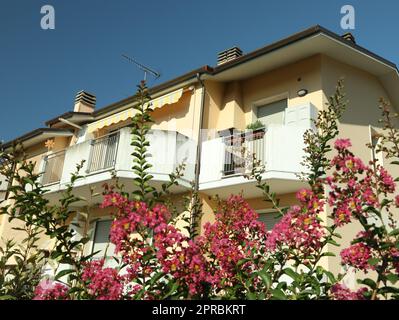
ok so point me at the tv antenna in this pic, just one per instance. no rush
(143, 68)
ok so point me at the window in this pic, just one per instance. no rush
(272, 113)
(101, 241)
(269, 218)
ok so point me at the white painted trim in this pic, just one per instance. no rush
(362, 53)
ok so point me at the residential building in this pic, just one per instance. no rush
(283, 85)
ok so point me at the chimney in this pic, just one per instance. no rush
(349, 36)
(84, 102)
(229, 55)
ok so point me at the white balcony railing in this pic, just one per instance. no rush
(113, 152)
(279, 148)
(53, 165)
(241, 150)
(103, 152)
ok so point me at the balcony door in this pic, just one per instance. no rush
(272, 113)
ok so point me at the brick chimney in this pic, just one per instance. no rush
(229, 55)
(84, 102)
(349, 37)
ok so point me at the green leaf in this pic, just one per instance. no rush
(393, 278)
(394, 232)
(278, 294)
(266, 278)
(291, 273)
(7, 297)
(368, 282)
(388, 289)
(333, 242)
(63, 273)
(328, 254)
(373, 261)
(251, 296)
(241, 262)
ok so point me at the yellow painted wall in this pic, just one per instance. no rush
(35, 155)
(363, 91)
(232, 104)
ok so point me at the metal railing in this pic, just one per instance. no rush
(103, 152)
(241, 150)
(54, 164)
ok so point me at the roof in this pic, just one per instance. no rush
(317, 29)
(215, 72)
(313, 40)
(37, 135)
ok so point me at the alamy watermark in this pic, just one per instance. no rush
(348, 20)
(48, 20)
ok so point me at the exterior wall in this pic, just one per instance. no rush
(35, 155)
(234, 104)
(363, 92)
(182, 116)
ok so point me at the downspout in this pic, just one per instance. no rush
(199, 146)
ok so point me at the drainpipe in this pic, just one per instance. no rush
(199, 144)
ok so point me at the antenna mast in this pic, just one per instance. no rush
(143, 67)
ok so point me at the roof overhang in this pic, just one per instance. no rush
(310, 42)
(37, 136)
(75, 117)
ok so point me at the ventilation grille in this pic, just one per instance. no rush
(85, 98)
(229, 55)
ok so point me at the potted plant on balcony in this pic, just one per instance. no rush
(254, 130)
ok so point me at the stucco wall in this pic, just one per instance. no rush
(232, 104)
(363, 92)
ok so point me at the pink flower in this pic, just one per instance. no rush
(341, 144)
(397, 201)
(102, 283)
(114, 199)
(235, 235)
(342, 215)
(386, 182)
(341, 292)
(50, 290)
(357, 255)
(297, 230)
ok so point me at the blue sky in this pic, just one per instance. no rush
(41, 70)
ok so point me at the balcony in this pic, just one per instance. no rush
(225, 161)
(54, 164)
(110, 157)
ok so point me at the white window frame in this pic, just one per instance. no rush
(92, 230)
(264, 101)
